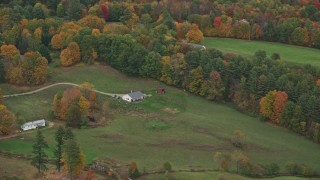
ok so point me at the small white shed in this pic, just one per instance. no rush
(33, 124)
(134, 96)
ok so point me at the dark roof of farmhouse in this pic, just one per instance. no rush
(136, 95)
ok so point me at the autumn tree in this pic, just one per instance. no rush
(279, 105)
(69, 96)
(196, 80)
(238, 139)
(213, 88)
(70, 55)
(266, 104)
(240, 159)
(93, 22)
(134, 171)
(194, 35)
(7, 120)
(72, 158)
(223, 160)
(34, 68)
(88, 92)
(57, 42)
(9, 52)
(40, 158)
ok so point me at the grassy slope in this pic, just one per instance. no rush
(198, 130)
(290, 53)
(210, 176)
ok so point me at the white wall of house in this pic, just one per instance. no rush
(126, 98)
(33, 125)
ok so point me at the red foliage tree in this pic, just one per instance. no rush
(217, 21)
(316, 3)
(105, 11)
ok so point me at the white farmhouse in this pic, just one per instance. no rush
(134, 96)
(33, 124)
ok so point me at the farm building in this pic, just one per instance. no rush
(133, 96)
(194, 46)
(161, 90)
(33, 124)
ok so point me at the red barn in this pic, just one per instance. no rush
(161, 90)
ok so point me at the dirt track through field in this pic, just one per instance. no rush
(57, 84)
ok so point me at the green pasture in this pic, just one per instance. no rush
(193, 128)
(289, 53)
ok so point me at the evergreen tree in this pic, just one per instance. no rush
(74, 116)
(74, 10)
(59, 136)
(40, 158)
(44, 51)
(68, 134)
(2, 71)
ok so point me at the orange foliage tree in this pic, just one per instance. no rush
(69, 96)
(194, 35)
(280, 101)
(7, 120)
(85, 97)
(9, 51)
(70, 55)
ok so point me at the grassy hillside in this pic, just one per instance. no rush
(290, 53)
(211, 176)
(192, 128)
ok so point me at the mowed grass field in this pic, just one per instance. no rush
(197, 127)
(289, 53)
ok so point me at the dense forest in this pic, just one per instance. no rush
(143, 38)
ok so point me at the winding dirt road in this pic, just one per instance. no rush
(57, 84)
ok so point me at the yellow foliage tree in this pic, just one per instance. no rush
(14, 75)
(25, 33)
(38, 34)
(84, 105)
(93, 22)
(7, 120)
(57, 42)
(194, 35)
(87, 90)
(266, 104)
(70, 55)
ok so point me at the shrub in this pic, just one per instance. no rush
(133, 170)
(272, 169)
(167, 166)
(293, 168)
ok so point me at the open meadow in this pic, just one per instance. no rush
(289, 53)
(177, 127)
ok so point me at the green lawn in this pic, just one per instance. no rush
(290, 53)
(197, 129)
